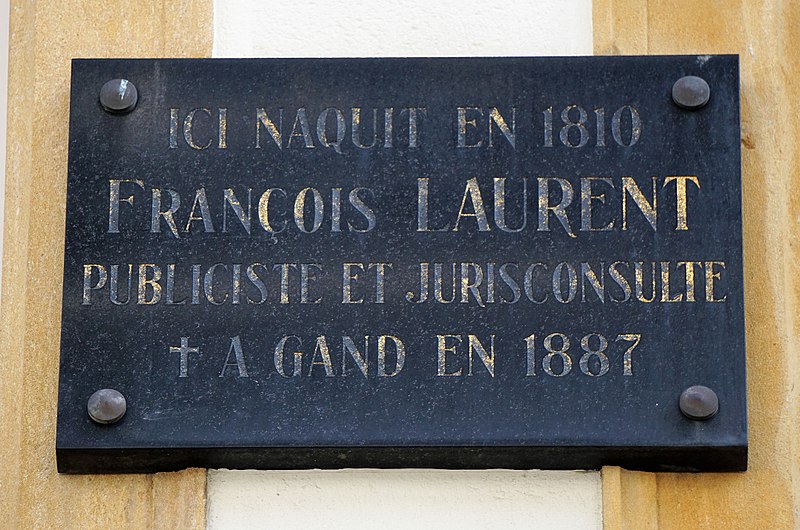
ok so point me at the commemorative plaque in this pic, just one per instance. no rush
(454, 263)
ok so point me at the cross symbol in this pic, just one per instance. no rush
(184, 350)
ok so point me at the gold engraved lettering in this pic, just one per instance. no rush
(441, 354)
(356, 134)
(263, 211)
(559, 210)
(361, 208)
(620, 280)
(422, 208)
(349, 348)
(195, 284)
(347, 278)
(114, 200)
(510, 282)
(572, 282)
(680, 198)
(471, 286)
(184, 350)
(336, 209)
(529, 283)
(487, 358)
(689, 274)
(627, 357)
(462, 126)
(297, 356)
(473, 191)
(490, 267)
(586, 203)
(413, 124)
(305, 276)
(208, 284)
(299, 210)
(145, 282)
(561, 353)
(530, 355)
(231, 200)
(169, 289)
(400, 356)
(157, 213)
(201, 200)
(322, 129)
(173, 128)
(102, 277)
(650, 211)
(322, 352)
(301, 129)
(597, 284)
(380, 277)
(639, 285)
(113, 281)
(188, 129)
(590, 353)
(236, 283)
(257, 282)
(388, 125)
(223, 129)
(284, 268)
(262, 119)
(423, 285)
(500, 205)
(437, 284)
(236, 349)
(710, 277)
(509, 133)
(665, 284)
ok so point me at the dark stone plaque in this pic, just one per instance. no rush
(456, 263)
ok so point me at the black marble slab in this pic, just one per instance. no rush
(245, 251)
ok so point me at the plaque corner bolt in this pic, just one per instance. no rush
(118, 96)
(691, 92)
(699, 403)
(106, 406)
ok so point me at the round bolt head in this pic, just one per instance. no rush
(699, 403)
(107, 406)
(119, 96)
(691, 92)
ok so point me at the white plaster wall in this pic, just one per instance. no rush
(385, 28)
(387, 499)
(403, 499)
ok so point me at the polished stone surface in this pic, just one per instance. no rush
(210, 379)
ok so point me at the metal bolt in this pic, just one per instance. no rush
(699, 403)
(691, 92)
(107, 406)
(119, 96)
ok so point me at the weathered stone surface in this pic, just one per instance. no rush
(45, 35)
